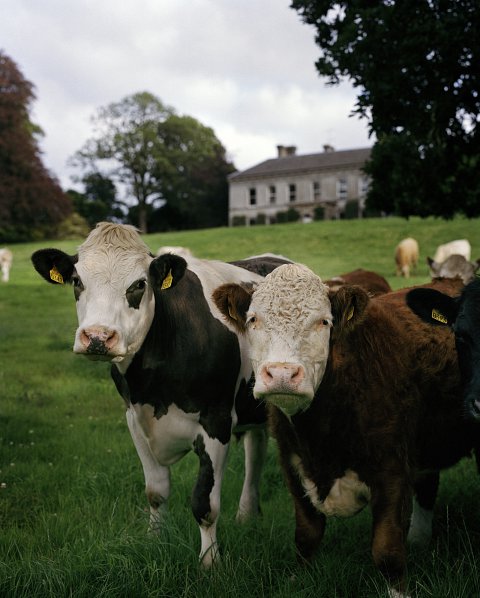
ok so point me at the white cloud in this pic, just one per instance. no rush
(244, 68)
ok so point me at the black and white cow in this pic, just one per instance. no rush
(182, 372)
(463, 314)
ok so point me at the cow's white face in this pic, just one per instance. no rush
(113, 286)
(288, 327)
(115, 301)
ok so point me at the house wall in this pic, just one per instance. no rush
(330, 199)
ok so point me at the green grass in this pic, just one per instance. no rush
(73, 514)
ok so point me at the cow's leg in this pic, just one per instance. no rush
(309, 528)
(255, 446)
(212, 455)
(309, 523)
(391, 509)
(157, 477)
(426, 488)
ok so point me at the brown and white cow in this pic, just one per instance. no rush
(182, 371)
(364, 402)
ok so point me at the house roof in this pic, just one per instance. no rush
(289, 165)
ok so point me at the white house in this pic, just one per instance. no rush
(315, 185)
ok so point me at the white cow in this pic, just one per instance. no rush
(182, 372)
(6, 258)
(458, 247)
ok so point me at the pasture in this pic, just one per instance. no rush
(73, 513)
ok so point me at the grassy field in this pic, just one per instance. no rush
(72, 509)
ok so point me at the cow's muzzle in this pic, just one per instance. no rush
(284, 385)
(98, 340)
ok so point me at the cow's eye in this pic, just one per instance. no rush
(251, 320)
(135, 293)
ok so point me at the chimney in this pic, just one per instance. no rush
(286, 150)
(327, 148)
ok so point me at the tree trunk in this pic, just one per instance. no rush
(142, 217)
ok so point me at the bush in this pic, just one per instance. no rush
(351, 209)
(239, 221)
(319, 213)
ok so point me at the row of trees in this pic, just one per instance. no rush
(414, 63)
(172, 166)
(145, 165)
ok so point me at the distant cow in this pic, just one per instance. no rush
(406, 256)
(364, 402)
(176, 249)
(182, 371)
(454, 266)
(463, 314)
(6, 258)
(373, 283)
(458, 247)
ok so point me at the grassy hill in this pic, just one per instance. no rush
(72, 509)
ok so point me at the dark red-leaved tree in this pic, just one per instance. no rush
(32, 203)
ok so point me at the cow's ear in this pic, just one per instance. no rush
(54, 265)
(167, 270)
(348, 307)
(233, 301)
(432, 306)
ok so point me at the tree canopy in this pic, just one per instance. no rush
(32, 203)
(415, 64)
(172, 166)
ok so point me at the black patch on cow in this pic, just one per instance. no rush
(249, 409)
(205, 481)
(261, 265)
(135, 293)
(189, 358)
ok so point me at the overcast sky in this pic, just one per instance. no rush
(243, 67)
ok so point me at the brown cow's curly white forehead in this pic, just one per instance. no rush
(291, 288)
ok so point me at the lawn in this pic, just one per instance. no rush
(72, 509)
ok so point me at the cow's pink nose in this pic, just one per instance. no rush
(284, 375)
(99, 336)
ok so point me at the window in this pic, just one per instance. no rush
(273, 193)
(292, 192)
(253, 196)
(363, 186)
(342, 188)
(316, 191)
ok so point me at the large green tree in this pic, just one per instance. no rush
(415, 64)
(32, 204)
(193, 180)
(170, 165)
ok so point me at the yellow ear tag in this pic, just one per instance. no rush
(231, 313)
(56, 276)
(436, 315)
(350, 314)
(167, 281)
